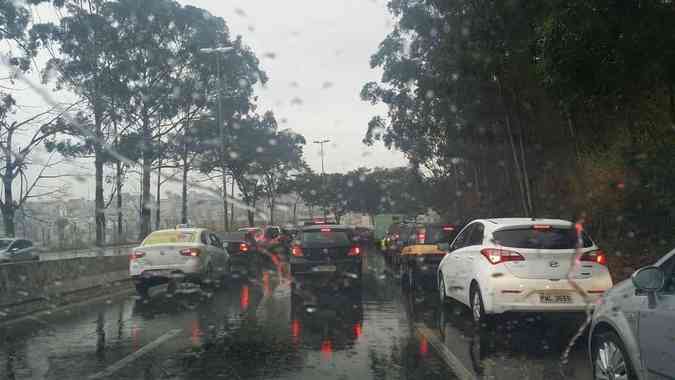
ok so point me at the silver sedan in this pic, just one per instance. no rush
(632, 335)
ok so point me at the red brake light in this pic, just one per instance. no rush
(191, 252)
(496, 256)
(448, 228)
(136, 255)
(597, 256)
(243, 247)
(421, 237)
(541, 227)
(354, 251)
(296, 251)
(325, 230)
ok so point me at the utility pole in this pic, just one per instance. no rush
(323, 174)
(221, 126)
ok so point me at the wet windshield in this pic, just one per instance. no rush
(167, 168)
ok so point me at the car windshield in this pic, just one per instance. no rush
(166, 168)
(170, 237)
(548, 238)
(325, 237)
(439, 234)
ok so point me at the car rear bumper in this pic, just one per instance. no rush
(345, 267)
(541, 295)
(191, 268)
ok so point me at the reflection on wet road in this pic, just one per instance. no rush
(256, 328)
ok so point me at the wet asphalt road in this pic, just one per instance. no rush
(255, 329)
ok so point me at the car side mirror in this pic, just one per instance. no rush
(444, 246)
(649, 280)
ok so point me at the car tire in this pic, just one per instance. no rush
(142, 289)
(441, 289)
(480, 318)
(411, 278)
(609, 343)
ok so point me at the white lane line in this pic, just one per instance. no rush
(448, 357)
(135, 355)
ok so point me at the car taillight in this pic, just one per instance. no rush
(136, 255)
(421, 237)
(496, 256)
(354, 251)
(296, 251)
(243, 247)
(597, 256)
(191, 252)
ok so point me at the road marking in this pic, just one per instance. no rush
(135, 355)
(448, 357)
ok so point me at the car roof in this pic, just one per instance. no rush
(192, 229)
(506, 222)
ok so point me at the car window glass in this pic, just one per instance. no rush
(462, 238)
(215, 241)
(20, 244)
(669, 270)
(476, 237)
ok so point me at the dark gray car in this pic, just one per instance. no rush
(632, 336)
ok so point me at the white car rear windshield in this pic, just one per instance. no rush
(169, 237)
(536, 238)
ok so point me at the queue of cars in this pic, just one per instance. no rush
(506, 265)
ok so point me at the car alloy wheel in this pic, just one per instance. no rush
(610, 360)
(477, 309)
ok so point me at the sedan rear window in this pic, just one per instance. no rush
(169, 237)
(531, 238)
(324, 238)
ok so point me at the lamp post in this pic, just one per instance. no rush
(323, 174)
(219, 122)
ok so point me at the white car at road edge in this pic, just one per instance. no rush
(193, 255)
(523, 265)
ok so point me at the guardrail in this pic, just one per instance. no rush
(118, 250)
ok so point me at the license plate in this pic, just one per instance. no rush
(555, 298)
(324, 268)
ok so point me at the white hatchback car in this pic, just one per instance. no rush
(190, 254)
(521, 264)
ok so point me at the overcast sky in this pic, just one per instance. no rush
(321, 54)
(316, 54)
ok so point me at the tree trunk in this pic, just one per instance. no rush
(99, 202)
(272, 204)
(186, 169)
(120, 214)
(251, 217)
(526, 178)
(157, 196)
(516, 162)
(226, 221)
(232, 205)
(145, 181)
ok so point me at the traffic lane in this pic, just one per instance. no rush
(251, 329)
(83, 342)
(515, 347)
(362, 333)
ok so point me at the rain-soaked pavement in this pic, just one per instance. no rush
(255, 329)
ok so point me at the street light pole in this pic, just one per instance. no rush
(221, 126)
(323, 174)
